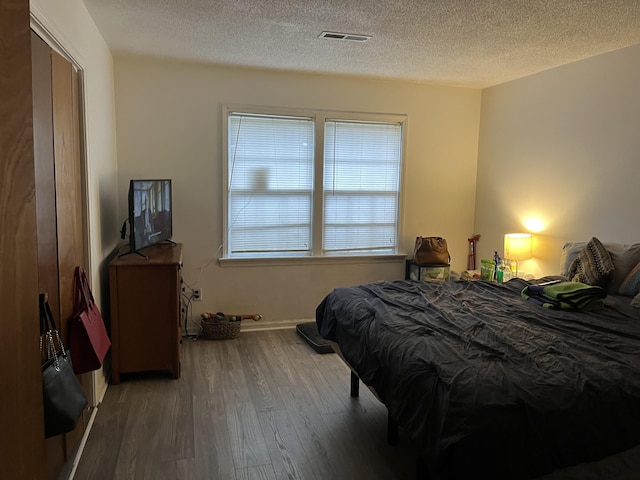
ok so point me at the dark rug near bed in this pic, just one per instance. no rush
(309, 331)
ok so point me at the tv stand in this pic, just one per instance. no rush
(136, 252)
(145, 311)
(139, 252)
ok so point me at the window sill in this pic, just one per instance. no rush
(329, 260)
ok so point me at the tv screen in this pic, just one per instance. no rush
(150, 220)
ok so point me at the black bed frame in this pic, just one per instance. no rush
(423, 469)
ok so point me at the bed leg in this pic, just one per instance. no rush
(392, 431)
(355, 385)
(424, 468)
(422, 472)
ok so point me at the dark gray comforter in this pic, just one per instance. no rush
(488, 384)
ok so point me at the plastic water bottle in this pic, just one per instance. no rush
(506, 272)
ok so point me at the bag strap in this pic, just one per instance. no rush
(82, 296)
(79, 295)
(87, 290)
(49, 331)
(44, 321)
(47, 322)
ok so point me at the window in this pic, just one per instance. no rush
(270, 193)
(311, 185)
(361, 187)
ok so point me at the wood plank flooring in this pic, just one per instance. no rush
(264, 406)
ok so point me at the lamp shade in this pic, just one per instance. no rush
(517, 246)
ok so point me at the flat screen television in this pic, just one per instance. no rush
(150, 216)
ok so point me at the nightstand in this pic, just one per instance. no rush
(427, 273)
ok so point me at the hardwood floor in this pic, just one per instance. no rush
(264, 406)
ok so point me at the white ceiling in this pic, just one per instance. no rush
(474, 43)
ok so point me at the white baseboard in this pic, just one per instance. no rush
(83, 442)
(262, 325)
(251, 326)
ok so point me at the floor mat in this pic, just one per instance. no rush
(309, 331)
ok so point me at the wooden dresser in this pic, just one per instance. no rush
(145, 311)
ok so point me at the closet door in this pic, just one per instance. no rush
(47, 246)
(69, 201)
(59, 200)
(21, 418)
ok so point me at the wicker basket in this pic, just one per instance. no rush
(220, 329)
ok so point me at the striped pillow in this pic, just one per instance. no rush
(593, 265)
(630, 286)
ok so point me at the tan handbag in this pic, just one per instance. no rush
(431, 251)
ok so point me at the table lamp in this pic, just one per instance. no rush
(517, 246)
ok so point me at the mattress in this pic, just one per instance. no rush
(488, 384)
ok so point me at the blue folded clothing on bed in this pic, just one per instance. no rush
(566, 296)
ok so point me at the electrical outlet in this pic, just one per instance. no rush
(197, 294)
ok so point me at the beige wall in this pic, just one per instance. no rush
(562, 146)
(169, 125)
(69, 26)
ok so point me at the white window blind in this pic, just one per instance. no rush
(270, 185)
(361, 187)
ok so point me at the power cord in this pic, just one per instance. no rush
(123, 230)
(187, 303)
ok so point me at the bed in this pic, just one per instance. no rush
(489, 384)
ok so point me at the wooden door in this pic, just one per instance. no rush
(69, 201)
(59, 200)
(21, 417)
(46, 206)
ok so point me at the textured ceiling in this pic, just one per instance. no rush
(475, 43)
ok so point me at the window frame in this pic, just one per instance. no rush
(319, 117)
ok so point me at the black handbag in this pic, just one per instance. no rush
(62, 394)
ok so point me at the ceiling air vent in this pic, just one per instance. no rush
(345, 36)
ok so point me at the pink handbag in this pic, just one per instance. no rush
(88, 339)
